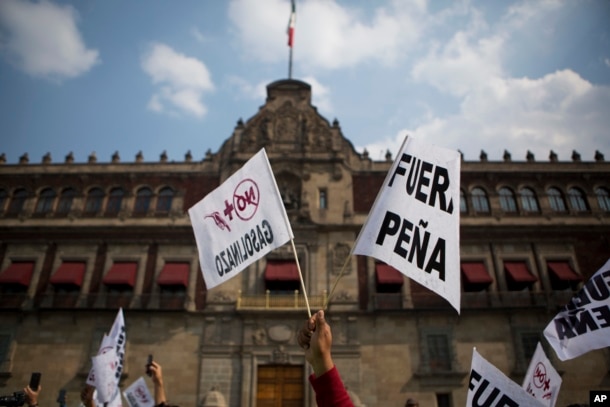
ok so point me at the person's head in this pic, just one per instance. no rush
(412, 403)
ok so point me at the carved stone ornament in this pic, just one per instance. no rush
(340, 254)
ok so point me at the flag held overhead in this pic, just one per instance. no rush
(239, 222)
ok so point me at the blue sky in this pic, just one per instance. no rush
(103, 76)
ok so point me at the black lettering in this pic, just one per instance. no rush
(224, 262)
(268, 231)
(440, 184)
(400, 170)
(563, 328)
(603, 314)
(473, 375)
(248, 244)
(418, 247)
(586, 321)
(403, 237)
(433, 264)
(218, 266)
(232, 263)
(597, 288)
(424, 181)
(390, 224)
(244, 254)
(476, 377)
(261, 238)
(235, 253)
(254, 242)
(412, 178)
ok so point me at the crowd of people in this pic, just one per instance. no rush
(315, 337)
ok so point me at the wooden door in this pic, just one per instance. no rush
(280, 386)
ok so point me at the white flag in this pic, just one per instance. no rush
(138, 395)
(542, 380)
(414, 224)
(239, 222)
(583, 324)
(105, 366)
(488, 386)
(116, 340)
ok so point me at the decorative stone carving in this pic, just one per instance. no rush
(280, 333)
(340, 254)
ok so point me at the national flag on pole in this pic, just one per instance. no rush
(488, 386)
(291, 24)
(240, 221)
(414, 224)
(542, 380)
(583, 324)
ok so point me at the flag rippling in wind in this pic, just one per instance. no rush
(291, 24)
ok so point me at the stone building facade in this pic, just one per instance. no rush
(80, 240)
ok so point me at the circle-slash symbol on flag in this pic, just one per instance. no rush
(246, 199)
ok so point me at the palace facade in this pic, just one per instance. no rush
(80, 240)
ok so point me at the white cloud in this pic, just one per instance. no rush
(43, 39)
(607, 62)
(320, 95)
(198, 35)
(328, 35)
(560, 111)
(182, 81)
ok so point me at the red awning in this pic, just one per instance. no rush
(476, 273)
(70, 272)
(519, 273)
(18, 273)
(174, 274)
(386, 274)
(563, 271)
(282, 271)
(121, 273)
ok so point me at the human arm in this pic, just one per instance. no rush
(316, 339)
(157, 378)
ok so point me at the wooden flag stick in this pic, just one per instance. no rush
(294, 250)
(336, 281)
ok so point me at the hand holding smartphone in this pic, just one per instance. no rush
(148, 364)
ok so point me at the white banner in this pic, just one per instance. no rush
(138, 395)
(116, 340)
(583, 324)
(239, 222)
(414, 224)
(488, 386)
(542, 380)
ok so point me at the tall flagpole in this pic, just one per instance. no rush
(291, 26)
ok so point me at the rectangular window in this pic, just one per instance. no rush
(443, 400)
(323, 198)
(438, 352)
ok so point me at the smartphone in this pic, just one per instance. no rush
(148, 363)
(35, 381)
(61, 398)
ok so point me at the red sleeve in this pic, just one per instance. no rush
(330, 391)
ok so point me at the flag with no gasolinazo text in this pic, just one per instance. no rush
(240, 221)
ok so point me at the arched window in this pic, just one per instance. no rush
(164, 200)
(578, 201)
(603, 199)
(115, 199)
(65, 201)
(18, 201)
(529, 203)
(3, 199)
(143, 197)
(508, 203)
(558, 204)
(463, 202)
(480, 203)
(46, 199)
(93, 203)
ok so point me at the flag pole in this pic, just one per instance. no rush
(296, 258)
(332, 290)
(290, 64)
